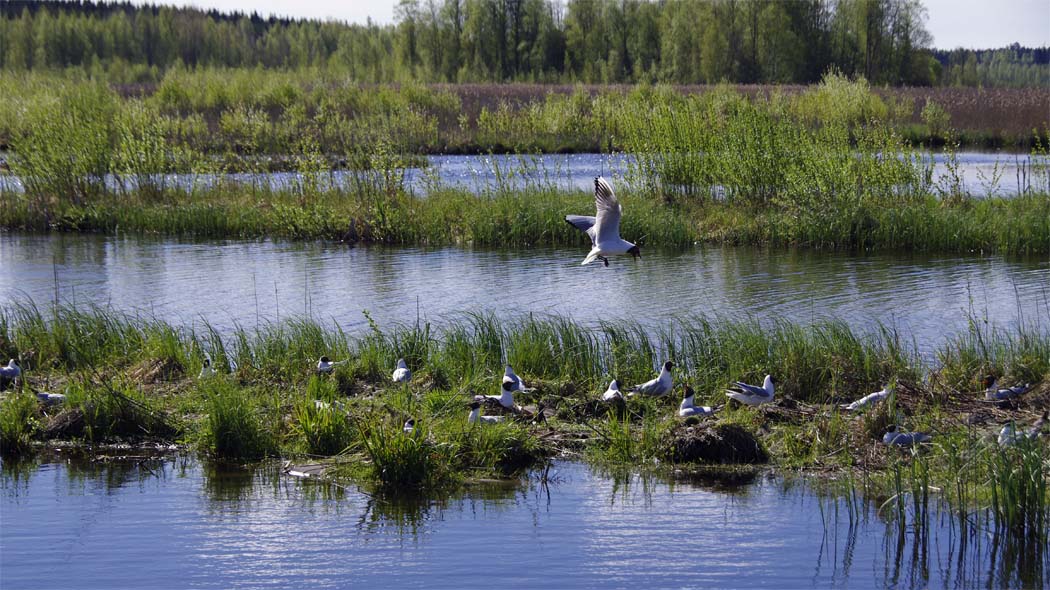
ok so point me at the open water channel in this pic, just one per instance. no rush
(179, 523)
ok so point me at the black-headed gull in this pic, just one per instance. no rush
(751, 394)
(325, 365)
(604, 228)
(401, 373)
(993, 392)
(656, 387)
(206, 370)
(613, 393)
(687, 408)
(50, 398)
(409, 427)
(901, 438)
(1010, 435)
(517, 384)
(475, 415)
(9, 373)
(870, 399)
(505, 398)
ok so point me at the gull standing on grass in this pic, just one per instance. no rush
(656, 387)
(751, 394)
(870, 399)
(401, 373)
(604, 228)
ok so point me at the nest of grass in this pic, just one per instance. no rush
(156, 370)
(68, 423)
(721, 444)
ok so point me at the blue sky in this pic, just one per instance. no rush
(953, 23)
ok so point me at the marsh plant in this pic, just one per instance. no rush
(234, 428)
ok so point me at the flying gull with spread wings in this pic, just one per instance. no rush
(604, 228)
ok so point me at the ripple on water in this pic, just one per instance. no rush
(179, 524)
(230, 283)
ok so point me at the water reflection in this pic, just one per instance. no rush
(231, 283)
(219, 526)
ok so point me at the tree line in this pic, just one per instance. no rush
(592, 41)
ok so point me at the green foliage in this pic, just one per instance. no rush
(64, 148)
(324, 429)
(235, 430)
(1020, 498)
(320, 420)
(454, 41)
(405, 462)
(18, 421)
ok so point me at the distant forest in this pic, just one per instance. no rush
(591, 41)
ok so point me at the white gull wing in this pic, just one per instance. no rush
(585, 224)
(607, 222)
(868, 400)
(752, 390)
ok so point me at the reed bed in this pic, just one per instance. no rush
(214, 110)
(132, 379)
(827, 167)
(1018, 225)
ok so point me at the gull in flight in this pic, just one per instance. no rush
(604, 228)
(475, 415)
(870, 399)
(613, 393)
(401, 373)
(516, 383)
(688, 409)
(994, 393)
(656, 387)
(904, 439)
(751, 394)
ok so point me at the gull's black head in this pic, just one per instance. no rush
(410, 422)
(688, 392)
(635, 251)
(892, 428)
(668, 366)
(475, 405)
(207, 362)
(508, 386)
(325, 359)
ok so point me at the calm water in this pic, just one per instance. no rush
(979, 173)
(230, 283)
(181, 524)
